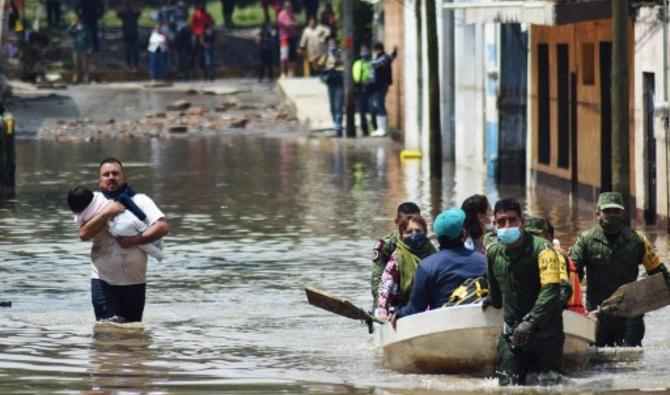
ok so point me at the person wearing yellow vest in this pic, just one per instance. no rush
(362, 73)
(398, 276)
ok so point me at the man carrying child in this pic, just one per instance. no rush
(118, 265)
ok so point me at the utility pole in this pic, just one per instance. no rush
(435, 150)
(419, 64)
(620, 100)
(348, 51)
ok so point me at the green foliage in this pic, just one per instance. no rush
(248, 13)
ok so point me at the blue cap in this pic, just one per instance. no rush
(449, 224)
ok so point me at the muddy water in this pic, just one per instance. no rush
(253, 220)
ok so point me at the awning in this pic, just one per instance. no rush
(535, 12)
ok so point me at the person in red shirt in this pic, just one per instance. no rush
(200, 21)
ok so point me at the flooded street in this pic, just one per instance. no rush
(253, 220)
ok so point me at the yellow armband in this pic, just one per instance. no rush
(550, 267)
(650, 260)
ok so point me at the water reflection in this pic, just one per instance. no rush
(253, 220)
(122, 357)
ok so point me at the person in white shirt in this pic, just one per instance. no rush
(118, 265)
(158, 48)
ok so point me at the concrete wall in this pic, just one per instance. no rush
(649, 59)
(409, 81)
(394, 36)
(470, 89)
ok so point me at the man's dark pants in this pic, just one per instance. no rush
(538, 356)
(618, 331)
(123, 301)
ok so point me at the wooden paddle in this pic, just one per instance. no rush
(638, 297)
(339, 306)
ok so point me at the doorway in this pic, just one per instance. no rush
(649, 91)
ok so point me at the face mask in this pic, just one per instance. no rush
(415, 240)
(331, 50)
(611, 224)
(365, 55)
(489, 227)
(509, 236)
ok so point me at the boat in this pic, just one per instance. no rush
(463, 339)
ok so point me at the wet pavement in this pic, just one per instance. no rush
(254, 218)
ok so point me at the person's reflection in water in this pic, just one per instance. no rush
(121, 356)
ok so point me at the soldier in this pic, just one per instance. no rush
(524, 279)
(385, 247)
(611, 252)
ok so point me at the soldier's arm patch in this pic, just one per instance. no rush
(375, 250)
(550, 267)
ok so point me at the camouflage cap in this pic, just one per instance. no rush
(610, 200)
(536, 225)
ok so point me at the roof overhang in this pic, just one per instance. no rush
(534, 12)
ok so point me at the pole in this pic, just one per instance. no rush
(3, 4)
(435, 148)
(348, 52)
(419, 67)
(620, 100)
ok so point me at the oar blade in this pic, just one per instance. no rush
(336, 305)
(638, 297)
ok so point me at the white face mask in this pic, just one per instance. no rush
(489, 227)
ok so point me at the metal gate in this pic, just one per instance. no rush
(512, 105)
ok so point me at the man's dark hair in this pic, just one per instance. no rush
(508, 204)
(79, 198)
(378, 47)
(111, 160)
(408, 208)
(473, 207)
(449, 244)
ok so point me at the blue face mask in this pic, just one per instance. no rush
(365, 55)
(415, 240)
(509, 236)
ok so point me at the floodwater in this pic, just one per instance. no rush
(254, 219)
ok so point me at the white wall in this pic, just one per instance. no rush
(412, 132)
(649, 59)
(469, 76)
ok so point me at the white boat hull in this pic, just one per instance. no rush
(463, 340)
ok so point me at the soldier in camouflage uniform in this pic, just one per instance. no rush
(384, 248)
(524, 279)
(611, 253)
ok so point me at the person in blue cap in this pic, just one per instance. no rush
(438, 275)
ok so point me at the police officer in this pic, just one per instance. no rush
(611, 253)
(384, 248)
(524, 279)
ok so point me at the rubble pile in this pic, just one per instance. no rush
(180, 118)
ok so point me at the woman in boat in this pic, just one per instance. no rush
(398, 276)
(478, 215)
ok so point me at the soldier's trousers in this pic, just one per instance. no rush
(619, 331)
(538, 356)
